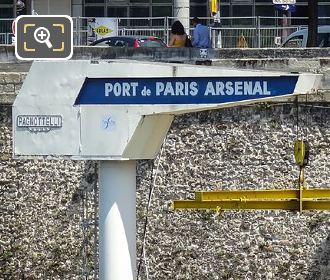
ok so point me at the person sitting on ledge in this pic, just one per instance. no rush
(201, 35)
(178, 35)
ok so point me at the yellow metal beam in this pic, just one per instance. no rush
(290, 199)
(262, 194)
(250, 205)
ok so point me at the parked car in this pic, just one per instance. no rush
(131, 41)
(298, 39)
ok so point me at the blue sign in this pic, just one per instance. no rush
(196, 90)
(286, 7)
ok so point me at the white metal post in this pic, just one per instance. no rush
(32, 7)
(181, 10)
(117, 235)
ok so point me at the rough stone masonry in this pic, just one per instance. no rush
(48, 209)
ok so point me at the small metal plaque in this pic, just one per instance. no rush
(39, 123)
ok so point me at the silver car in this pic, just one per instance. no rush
(298, 39)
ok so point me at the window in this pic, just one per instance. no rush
(94, 1)
(224, 11)
(324, 11)
(265, 11)
(294, 42)
(162, 1)
(301, 11)
(199, 2)
(94, 11)
(151, 43)
(198, 11)
(243, 11)
(139, 1)
(161, 11)
(139, 11)
(6, 12)
(117, 11)
(323, 40)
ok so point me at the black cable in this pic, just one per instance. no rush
(146, 218)
(297, 120)
(306, 118)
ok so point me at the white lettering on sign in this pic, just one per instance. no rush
(237, 88)
(130, 89)
(38, 123)
(176, 88)
(121, 89)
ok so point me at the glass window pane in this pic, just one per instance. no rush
(139, 1)
(6, 12)
(324, 11)
(198, 11)
(294, 42)
(92, 11)
(241, 2)
(94, 1)
(152, 43)
(323, 40)
(224, 11)
(162, 1)
(199, 1)
(139, 11)
(161, 11)
(301, 11)
(117, 12)
(266, 11)
(242, 11)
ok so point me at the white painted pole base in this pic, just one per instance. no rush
(117, 236)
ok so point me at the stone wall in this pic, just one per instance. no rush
(240, 148)
(10, 84)
(48, 209)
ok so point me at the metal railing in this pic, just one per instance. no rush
(157, 32)
(5, 30)
(232, 32)
(263, 37)
(6, 38)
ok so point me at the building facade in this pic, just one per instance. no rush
(155, 8)
(256, 20)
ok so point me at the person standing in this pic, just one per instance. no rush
(178, 35)
(201, 34)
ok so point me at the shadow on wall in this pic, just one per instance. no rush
(320, 269)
